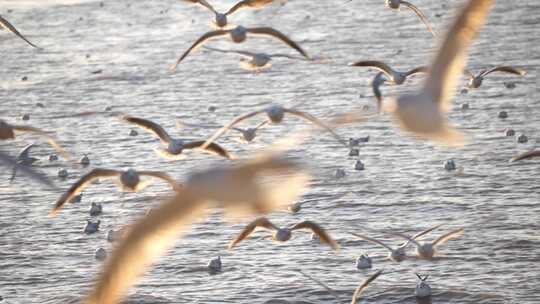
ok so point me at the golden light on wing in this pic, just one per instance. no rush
(8, 26)
(318, 230)
(526, 155)
(150, 126)
(450, 60)
(248, 3)
(277, 34)
(381, 66)
(505, 69)
(212, 148)
(318, 123)
(228, 126)
(202, 39)
(422, 69)
(371, 240)
(163, 176)
(420, 15)
(50, 139)
(448, 236)
(260, 222)
(363, 286)
(151, 236)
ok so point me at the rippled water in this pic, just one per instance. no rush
(404, 186)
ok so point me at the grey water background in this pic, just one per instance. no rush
(404, 186)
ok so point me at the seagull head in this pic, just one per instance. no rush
(176, 146)
(238, 34)
(393, 4)
(282, 234)
(275, 113)
(221, 20)
(475, 82)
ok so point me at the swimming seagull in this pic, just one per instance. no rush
(275, 115)
(175, 147)
(427, 250)
(8, 160)
(363, 286)
(475, 81)
(525, 155)
(23, 160)
(390, 75)
(8, 131)
(9, 27)
(129, 181)
(284, 234)
(221, 19)
(239, 35)
(254, 61)
(397, 254)
(394, 4)
(422, 289)
(423, 113)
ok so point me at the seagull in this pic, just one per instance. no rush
(7, 160)
(394, 4)
(214, 265)
(23, 160)
(284, 234)
(221, 19)
(9, 27)
(364, 262)
(363, 286)
(96, 209)
(423, 113)
(422, 289)
(475, 81)
(526, 155)
(249, 134)
(175, 147)
(427, 250)
(320, 283)
(91, 227)
(254, 61)
(8, 131)
(130, 181)
(275, 115)
(387, 74)
(239, 35)
(397, 254)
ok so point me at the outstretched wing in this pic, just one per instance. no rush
(212, 148)
(450, 235)
(318, 123)
(381, 66)
(243, 53)
(372, 241)
(199, 41)
(203, 3)
(260, 222)
(8, 26)
(280, 36)
(7, 160)
(163, 176)
(228, 126)
(529, 154)
(505, 69)
(422, 69)
(330, 290)
(363, 286)
(151, 126)
(248, 3)
(80, 184)
(318, 230)
(420, 15)
(50, 139)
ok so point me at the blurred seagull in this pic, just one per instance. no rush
(423, 113)
(9, 27)
(475, 81)
(320, 283)
(363, 286)
(7, 160)
(254, 61)
(239, 35)
(379, 80)
(221, 19)
(284, 234)
(394, 4)
(175, 147)
(427, 250)
(526, 155)
(23, 160)
(275, 115)
(249, 134)
(130, 180)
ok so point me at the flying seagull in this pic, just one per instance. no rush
(175, 147)
(221, 19)
(9, 27)
(475, 81)
(254, 61)
(363, 286)
(427, 250)
(284, 234)
(238, 35)
(394, 4)
(423, 113)
(23, 160)
(7, 160)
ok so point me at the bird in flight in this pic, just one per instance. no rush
(9, 27)
(475, 81)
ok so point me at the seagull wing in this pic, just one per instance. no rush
(318, 123)
(420, 15)
(50, 139)
(372, 241)
(25, 152)
(163, 176)
(448, 236)
(81, 184)
(8, 26)
(505, 69)
(318, 230)
(268, 31)
(381, 66)
(212, 148)
(262, 124)
(243, 53)
(450, 60)
(363, 286)
(203, 3)
(408, 238)
(260, 222)
(529, 154)
(7, 160)
(228, 126)
(150, 126)
(330, 290)
(201, 40)
(248, 3)
(422, 233)
(422, 69)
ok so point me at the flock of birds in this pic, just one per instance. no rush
(237, 187)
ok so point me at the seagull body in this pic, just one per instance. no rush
(423, 113)
(23, 160)
(238, 35)
(275, 114)
(283, 234)
(9, 27)
(129, 180)
(221, 18)
(175, 147)
(249, 134)
(526, 155)
(427, 250)
(364, 262)
(475, 81)
(253, 61)
(395, 4)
